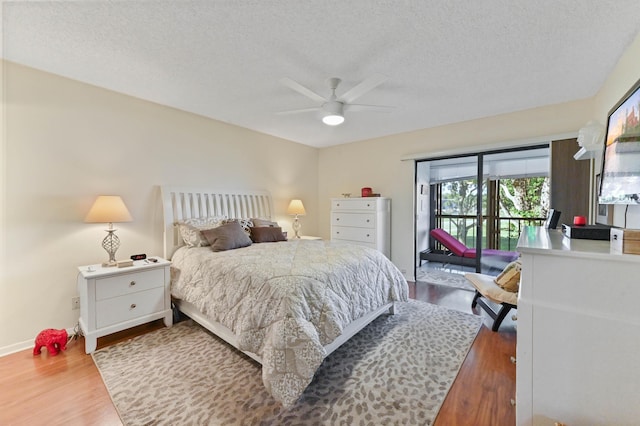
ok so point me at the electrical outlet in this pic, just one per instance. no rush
(75, 303)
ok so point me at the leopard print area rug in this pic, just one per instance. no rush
(397, 370)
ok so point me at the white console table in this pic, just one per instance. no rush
(578, 344)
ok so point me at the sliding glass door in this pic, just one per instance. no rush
(482, 201)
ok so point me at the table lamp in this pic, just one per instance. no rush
(109, 209)
(296, 208)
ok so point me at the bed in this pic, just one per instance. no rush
(286, 304)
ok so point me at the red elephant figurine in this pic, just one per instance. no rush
(54, 340)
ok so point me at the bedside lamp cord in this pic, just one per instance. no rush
(77, 331)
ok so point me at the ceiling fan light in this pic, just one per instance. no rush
(333, 119)
(334, 113)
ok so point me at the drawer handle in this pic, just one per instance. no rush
(368, 235)
(337, 232)
(337, 219)
(368, 220)
(368, 205)
(133, 306)
(132, 283)
(338, 204)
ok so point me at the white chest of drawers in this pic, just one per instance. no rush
(114, 299)
(364, 221)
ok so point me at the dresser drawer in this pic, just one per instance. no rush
(123, 284)
(363, 235)
(343, 204)
(130, 306)
(360, 220)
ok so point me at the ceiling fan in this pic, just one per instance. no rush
(333, 107)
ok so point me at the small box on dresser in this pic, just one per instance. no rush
(114, 299)
(364, 220)
(625, 240)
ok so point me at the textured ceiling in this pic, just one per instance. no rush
(446, 60)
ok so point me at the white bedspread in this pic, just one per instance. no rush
(285, 301)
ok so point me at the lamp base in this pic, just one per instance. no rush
(296, 227)
(111, 243)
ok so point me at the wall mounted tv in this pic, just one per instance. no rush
(620, 176)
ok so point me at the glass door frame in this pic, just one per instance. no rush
(479, 195)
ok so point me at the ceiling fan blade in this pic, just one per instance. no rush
(301, 89)
(360, 89)
(297, 111)
(375, 108)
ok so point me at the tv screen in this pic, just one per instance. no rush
(620, 177)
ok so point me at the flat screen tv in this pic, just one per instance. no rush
(620, 176)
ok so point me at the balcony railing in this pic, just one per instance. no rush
(508, 229)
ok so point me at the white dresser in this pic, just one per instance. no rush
(114, 299)
(364, 221)
(578, 344)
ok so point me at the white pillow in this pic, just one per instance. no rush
(260, 223)
(190, 229)
(246, 224)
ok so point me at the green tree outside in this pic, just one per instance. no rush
(520, 198)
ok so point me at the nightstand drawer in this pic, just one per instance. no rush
(361, 220)
(362, 235)
(119, 309)
(122, 284)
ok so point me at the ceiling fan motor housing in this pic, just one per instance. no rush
(333, 107)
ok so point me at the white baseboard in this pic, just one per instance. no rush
(21, 346)
(16, 347)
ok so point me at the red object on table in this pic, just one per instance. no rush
(366, 192)
(579, 220)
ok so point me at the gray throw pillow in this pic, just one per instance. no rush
(267, 234)
(227, 236)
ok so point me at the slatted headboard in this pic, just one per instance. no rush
(180, 203)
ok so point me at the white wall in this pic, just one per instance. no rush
(65, 142)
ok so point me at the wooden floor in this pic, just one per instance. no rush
(67, 388)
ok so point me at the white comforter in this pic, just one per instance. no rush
(285, 301)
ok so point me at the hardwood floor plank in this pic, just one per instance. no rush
(67, 388)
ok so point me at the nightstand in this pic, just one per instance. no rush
(114, 299)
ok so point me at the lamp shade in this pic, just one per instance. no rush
(296, 208)
(108, 209)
